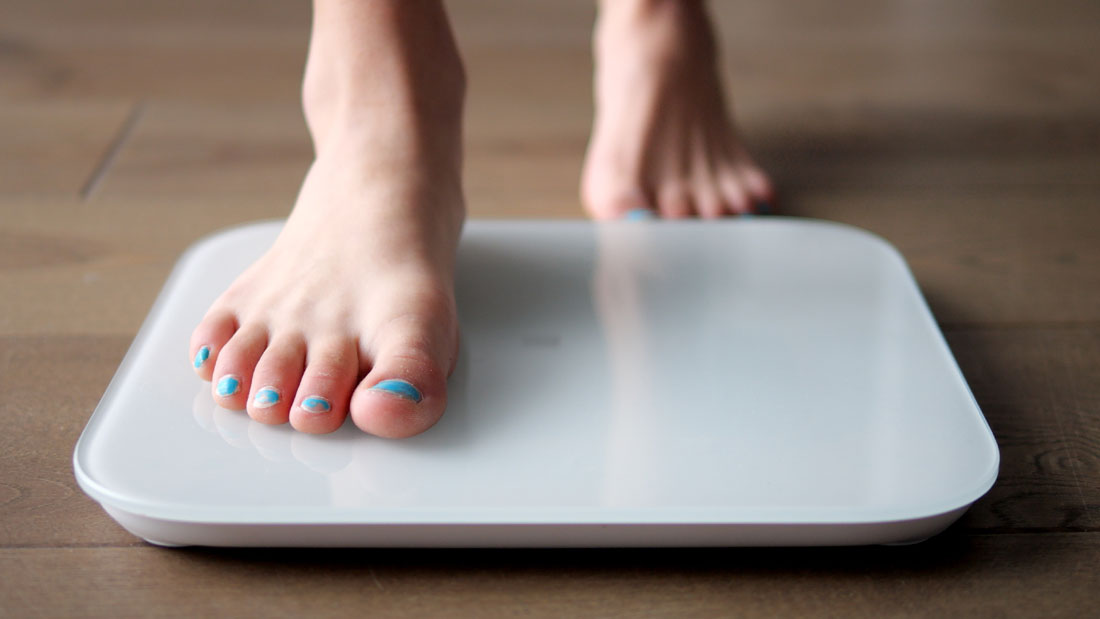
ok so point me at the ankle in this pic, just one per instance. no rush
(332, 98)
(381, 64)
(641, 11)
(405, 130)
(655, 33)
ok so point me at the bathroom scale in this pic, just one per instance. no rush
(754, 381)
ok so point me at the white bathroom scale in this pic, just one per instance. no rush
(756, 381)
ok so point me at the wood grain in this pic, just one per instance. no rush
(1035, 387)
(985, 252)
(967, 134)
(1038, 391)
(51, 148)
(1051, 575)
(50, 387)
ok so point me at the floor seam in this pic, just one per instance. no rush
(122, 136)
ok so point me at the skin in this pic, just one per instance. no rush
(662, 137)
(359, 286)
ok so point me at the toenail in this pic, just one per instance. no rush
(228, 385)
(639, 214)
(316, 404)
(202, 356)
(266, 397)
(400, 388)
(762, 208)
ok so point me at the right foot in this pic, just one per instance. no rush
(351, 312)
(663, 141)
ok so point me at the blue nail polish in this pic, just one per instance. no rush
(228, 385)
(639, 214)
(400, 388)
(266, 397)
(763, 208)
(202, 356)
(316, 404)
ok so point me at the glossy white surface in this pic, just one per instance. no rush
(745, 373)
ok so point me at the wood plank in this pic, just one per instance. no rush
(213, 152)
(991, 255)
(220, 50)
(1014, 261)
(965, 133)
(941, 53)
(937, 151)
(108, 296)
(53, 148)
(994, 254)
(1035, 386)
(1038, 391)
(50, 387)
(66, 268)
(1000, 258)
(1053, 575)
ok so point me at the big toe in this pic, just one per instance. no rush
(607, 194)
(405, 393)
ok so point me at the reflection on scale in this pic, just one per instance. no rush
(647, 331)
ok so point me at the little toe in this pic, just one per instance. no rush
(756, 185)
(208, 339)
(236, 362)
(321, 403)
(404, 394)
(276, 380)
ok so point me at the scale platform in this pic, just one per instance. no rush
(758, 381)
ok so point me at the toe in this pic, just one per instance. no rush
(708, 198)
(276, 380)
(405, 392)
(321, 403)
(736, 197)
(760, 189)
(616, 202)
(208, 339)
(674, 201)
(756, 184)
(236, 362)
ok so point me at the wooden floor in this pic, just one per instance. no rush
(967, 133)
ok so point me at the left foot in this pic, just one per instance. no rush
(663, 139)
(351, 312)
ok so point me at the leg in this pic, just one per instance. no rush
(352, 310)
(662, 137)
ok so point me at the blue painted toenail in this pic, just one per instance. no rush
(228, 385)
(202, 356)
(763, 208)
(266, 397)
(639, 214)
(316, 404)
(400, 388)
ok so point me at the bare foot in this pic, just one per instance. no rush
(352, 310)
(662, 138)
